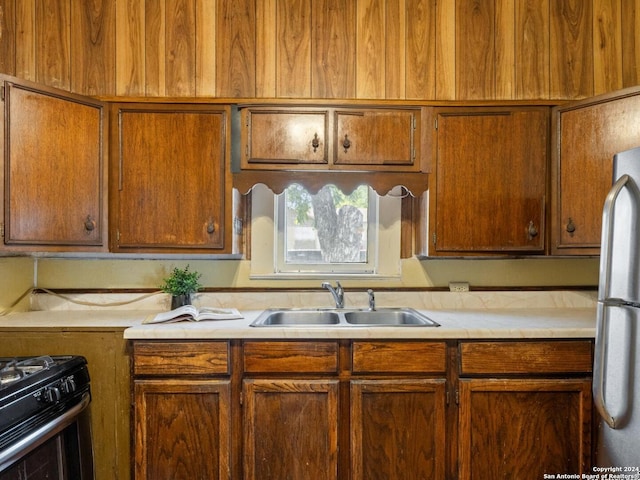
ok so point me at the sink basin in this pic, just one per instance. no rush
(285, 317)
(390, 317)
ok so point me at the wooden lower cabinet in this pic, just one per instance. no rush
(344, 410)
(182, 410)
(182, 429)
(291, 429)
(515, 428)
(397, 429)
(398, 410)
(524, 409)
(362, 410)
(291, 410)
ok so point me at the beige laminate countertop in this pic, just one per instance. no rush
(454, 324)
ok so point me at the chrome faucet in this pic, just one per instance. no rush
(337, 293)
(372, 300)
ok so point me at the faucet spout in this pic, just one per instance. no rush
(372, 300)
(337, 293)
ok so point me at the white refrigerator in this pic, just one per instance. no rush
(616, 372)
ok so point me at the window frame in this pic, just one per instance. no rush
(370, 267)
(263, 217)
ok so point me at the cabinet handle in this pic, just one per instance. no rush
(346, 143)
(571, 227)
(211, 227)
(532, 230)
(315, 143)
(89, 224)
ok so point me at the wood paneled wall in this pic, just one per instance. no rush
(370, 49)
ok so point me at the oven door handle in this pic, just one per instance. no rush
(15, 452)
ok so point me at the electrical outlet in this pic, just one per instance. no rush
(458, 286)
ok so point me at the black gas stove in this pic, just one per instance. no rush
(36, 390)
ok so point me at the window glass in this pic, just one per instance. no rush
(328, 227)
(297, 233)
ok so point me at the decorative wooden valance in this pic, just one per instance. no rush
(347, 181)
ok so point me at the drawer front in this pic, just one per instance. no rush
(399, 357)
(180, 358)
(526, 357)
(290, 357)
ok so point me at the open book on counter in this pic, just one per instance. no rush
(193, 314)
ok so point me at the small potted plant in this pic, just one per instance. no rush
(181, 284)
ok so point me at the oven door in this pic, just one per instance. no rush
(59, 450)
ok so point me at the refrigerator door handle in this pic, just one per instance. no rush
(618, 302)
(605, 300)
(600, 367)
(608, 218)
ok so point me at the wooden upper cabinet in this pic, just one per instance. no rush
(170, 190)
(587, 134)
(55, 168)
(488, 192)
(376, 139)
(286, 137)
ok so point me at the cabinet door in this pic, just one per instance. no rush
(182, 429)
(524, 428)
(490, 181)
(588, 134)
(284, 137)
(55, 169)
(290, 429)
(170, 184)
(398, 429)
(377, 137)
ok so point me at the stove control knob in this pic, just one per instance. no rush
(52, 394)
(68, 385)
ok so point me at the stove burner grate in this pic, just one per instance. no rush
(15, 370)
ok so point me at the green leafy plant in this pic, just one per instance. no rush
(181, 281)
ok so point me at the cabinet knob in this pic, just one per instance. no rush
(89, 224)
(532, 230)
(346, 143)
(315, 143)
(211, 227)
(571, 227)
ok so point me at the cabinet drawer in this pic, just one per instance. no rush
(399, 357)
(291, 357)
(180, 358)
(526, 357)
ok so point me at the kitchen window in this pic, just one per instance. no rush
(328, 233)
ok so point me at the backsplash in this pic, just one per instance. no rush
(294, 299)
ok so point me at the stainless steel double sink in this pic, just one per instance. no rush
(342, 317)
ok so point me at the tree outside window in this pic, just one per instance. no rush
(328, 227)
